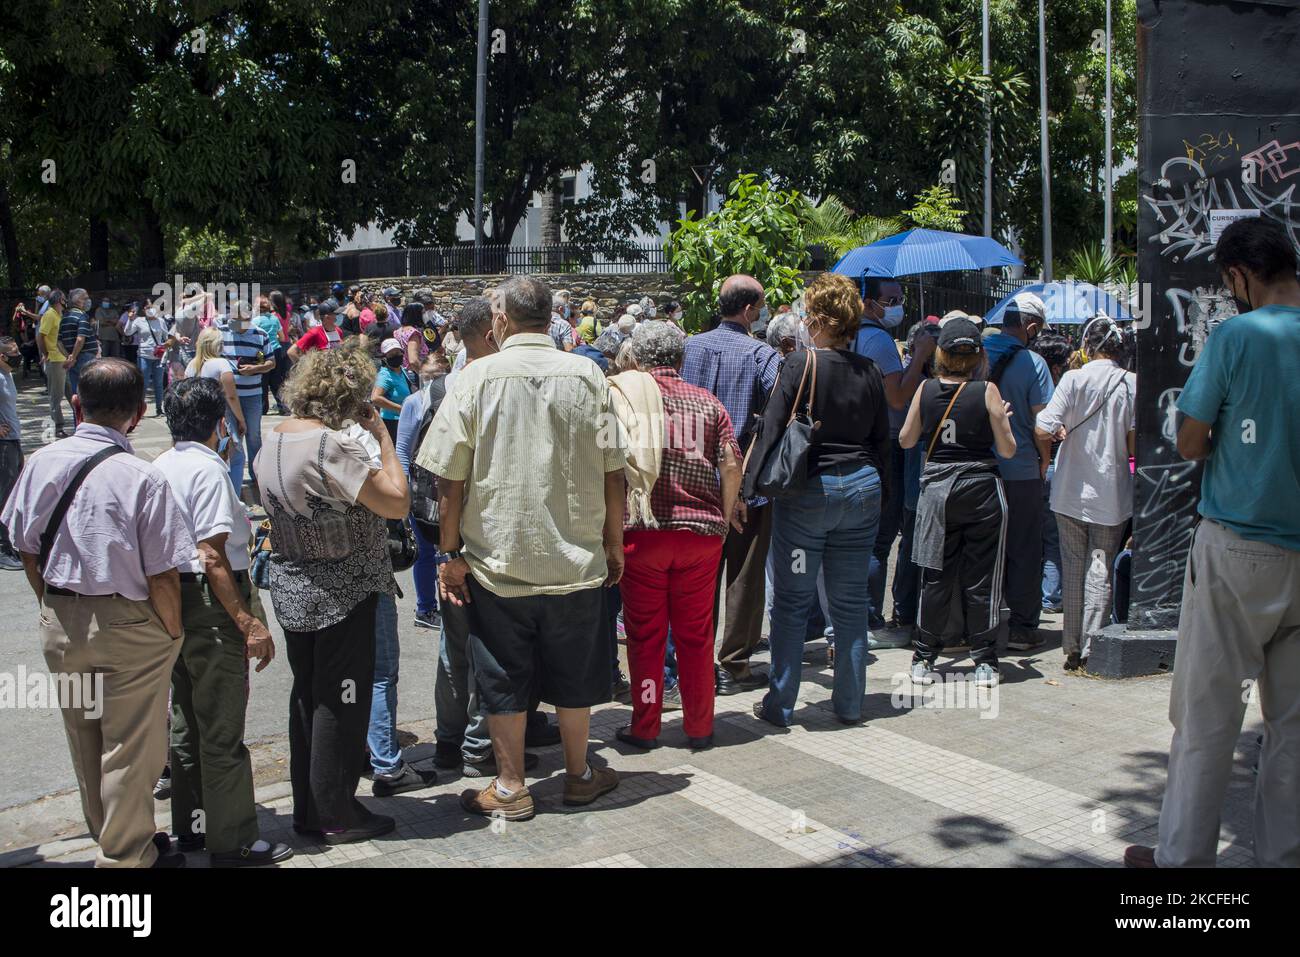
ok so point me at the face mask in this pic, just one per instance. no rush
(763, 314)
(151, 313)
(892, 317)
(105, 304)
(1243, 305)
(804, 337)
(40, 298)
(394, 362)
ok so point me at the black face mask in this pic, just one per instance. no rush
(1243, 305)
(394, 362)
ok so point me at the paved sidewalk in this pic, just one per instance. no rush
(1064, 771)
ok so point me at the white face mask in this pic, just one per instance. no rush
(892, 317)
(151, 313)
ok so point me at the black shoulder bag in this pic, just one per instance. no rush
(424, 484)
(784, 469)
(65, 502)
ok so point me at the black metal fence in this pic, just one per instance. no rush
(934, 294)
(493, 260)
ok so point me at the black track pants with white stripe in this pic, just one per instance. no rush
(975, 528)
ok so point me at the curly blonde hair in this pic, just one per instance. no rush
(332, 385)
(833, 302)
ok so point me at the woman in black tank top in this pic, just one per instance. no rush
(960, 535)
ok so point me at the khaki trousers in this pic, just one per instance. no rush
(119, 742)
(1239, 632)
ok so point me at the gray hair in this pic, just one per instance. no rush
(526, 301)
(76, 294)
(657, 343)
(608, 342)
(783, 326)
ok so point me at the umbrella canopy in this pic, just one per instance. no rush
(1068, 302)
(922, 251)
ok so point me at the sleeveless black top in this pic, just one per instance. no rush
(966, 435)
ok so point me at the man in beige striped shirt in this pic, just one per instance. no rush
(530, 462)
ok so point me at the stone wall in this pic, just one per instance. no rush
(450, 292)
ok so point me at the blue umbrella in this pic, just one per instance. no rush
(922, 251)
(1068, 302)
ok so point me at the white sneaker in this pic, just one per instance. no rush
(922, 674)
(986, 676)
(673, 698)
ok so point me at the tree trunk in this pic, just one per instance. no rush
(9, 236)
(152, 252)
(549, 223)
(98, 244)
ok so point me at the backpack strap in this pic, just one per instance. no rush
(65, 502)
(1000, 367)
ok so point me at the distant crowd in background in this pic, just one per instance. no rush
(558, 475)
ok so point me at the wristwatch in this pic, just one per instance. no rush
(441, 558)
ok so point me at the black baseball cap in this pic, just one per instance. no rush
(960, 336)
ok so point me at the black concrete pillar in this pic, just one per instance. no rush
(1219, 137)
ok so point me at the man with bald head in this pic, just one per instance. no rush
(740, 370)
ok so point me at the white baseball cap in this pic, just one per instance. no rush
(390, 345)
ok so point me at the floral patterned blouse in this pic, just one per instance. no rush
(328, 552)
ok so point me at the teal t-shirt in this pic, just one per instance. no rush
(1245, 385)
(396, 386)
(271, 326)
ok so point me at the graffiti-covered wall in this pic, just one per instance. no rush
(1219, 102)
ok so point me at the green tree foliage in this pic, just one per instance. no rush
(936, 208)
(758, 232)
(246, 134)
(833, 226)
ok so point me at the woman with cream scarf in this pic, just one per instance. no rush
(683, 473)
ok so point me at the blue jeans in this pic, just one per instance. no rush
(154, 373)
(385, 753)
(425, 572)
(251, 406)
(460, 721)
(907, 576)
(75, 372)
(1051, 548)
(830, 527)
(891, 520)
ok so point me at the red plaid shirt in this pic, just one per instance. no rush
(688, 493)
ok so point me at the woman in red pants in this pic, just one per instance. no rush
(683, 473)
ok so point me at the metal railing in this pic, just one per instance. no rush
(493, 260)
(934, 294)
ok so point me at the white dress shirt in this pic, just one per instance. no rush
(200, 480)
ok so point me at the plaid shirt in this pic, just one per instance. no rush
(732, 364)
(688, 494)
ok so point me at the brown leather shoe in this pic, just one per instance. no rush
(578, 791)
(1138, 855)
(489, 803)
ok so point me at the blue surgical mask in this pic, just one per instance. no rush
(892, 317)
(763, 314)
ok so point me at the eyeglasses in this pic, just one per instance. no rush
(892, 301)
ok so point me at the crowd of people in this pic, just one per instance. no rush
(556, 474)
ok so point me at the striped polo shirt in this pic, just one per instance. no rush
(248, 345)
